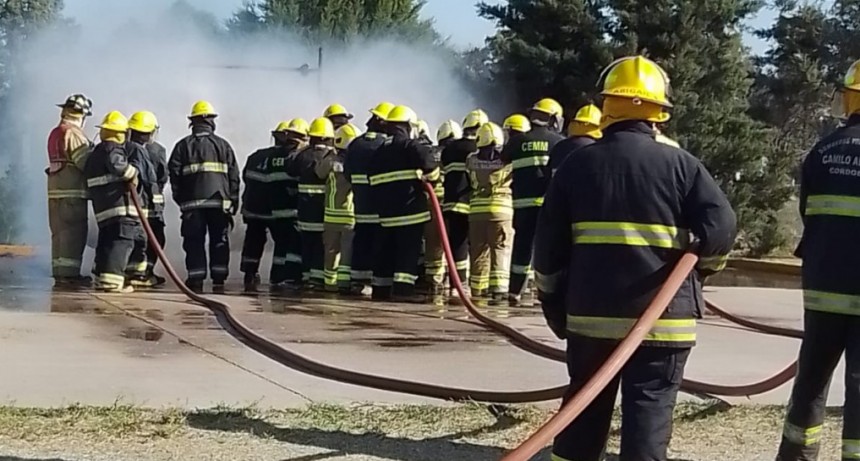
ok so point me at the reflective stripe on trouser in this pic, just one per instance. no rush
(67, 219)
(137, 260)
(363, 245)
(664, 331)
(457, 225)
(490, 247)
(525, 221)
(196, 224)
(157, 225)
(396, 258)
(287, 257)
(313, 251)
(338, 255)
(826, 337)
(649, 387)
(256, 236)
(115, 244)
(834, 303)
(434, 256)
(629, 233)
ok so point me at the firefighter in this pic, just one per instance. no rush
(339, 217)
(145, 126)
(283, 195)
(490, 215)
(457, 189)
(338, 115)
(516, 123)
(68, 148)
(141, 125)
(583, 130)
(205, 181)
(311, 203)
(257, 212)
(604, 246)
(528, 153)
(829, 193)
(108, 173)
(395, 173)
(357, 162)
(432, 260)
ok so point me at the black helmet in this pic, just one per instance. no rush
(78, 103)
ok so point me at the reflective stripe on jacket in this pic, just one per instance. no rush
(203, 171)
(528, 154)
(491, 188)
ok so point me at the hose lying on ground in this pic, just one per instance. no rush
(544, 350)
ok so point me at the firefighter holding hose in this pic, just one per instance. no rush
(829, 197)
(617, 218)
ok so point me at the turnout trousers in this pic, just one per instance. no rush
(196, 224)
(434, 255)
(287, 254)
(490, 248)
(256, 236)
(826, 336)
(337, 239)
(157, 225)
(67, 218)
(525, 222)
(457, 225)
(313, 261)
(397, 252)
(363, 245)
(649, 386)
(117, 239)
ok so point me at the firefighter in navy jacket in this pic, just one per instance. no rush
(618, 216)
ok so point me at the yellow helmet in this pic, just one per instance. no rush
(475, 119)
(517, 122)
(589, 114)
(851, 90)
(449, 129)
(114, 121)
(298, 126)
(402, 114)
(423, 128)
(321, 128)
(382, 109)
(490, 133)
(637, 77)
(336, 109)
(202, 109)
(345, 135)
(143, 122)
(549, 106)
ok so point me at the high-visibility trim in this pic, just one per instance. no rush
(461, 265)
(403, 277)
(833, 205)
(528, 162)
(850, 449)
(247, 260)
(293, 258)
(277, 176)
(312, 189)
(408, 220)
(252, 215)
(530, 202)
(520, 269)
(276, 261)
(628, 233)
(547, 283)
(457, 207)
(455, 166)
(361, 275)
(68, 193)
(341, 212)
(394, 176)
(66, 262)
(317, 274)
(803, 436)
(256, 176)
(330, 277)
(197, 272)
(129, 173)
(206, 203)
(346, 221)
(285, 213)
(219, 269)
(205, 167)
(311, 226)
(158, 199)
(136, 266)
(145, 212)
(713, 263)
(116, 212)
(834, 303)
(665, 330)
(104, 180)
(367, 218)
(382, 281)
(359, 179)
(76, 155)
(555, 457)
(479, 282)
(434, 175)
(495, 205)
(112, 279)
(343, 273)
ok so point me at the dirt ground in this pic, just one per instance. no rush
(703, 432)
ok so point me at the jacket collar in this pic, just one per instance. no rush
(635, 126)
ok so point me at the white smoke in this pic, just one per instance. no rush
(128, 60)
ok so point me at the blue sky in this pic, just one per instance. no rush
(457, 19)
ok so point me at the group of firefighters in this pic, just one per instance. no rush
(604, 215)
